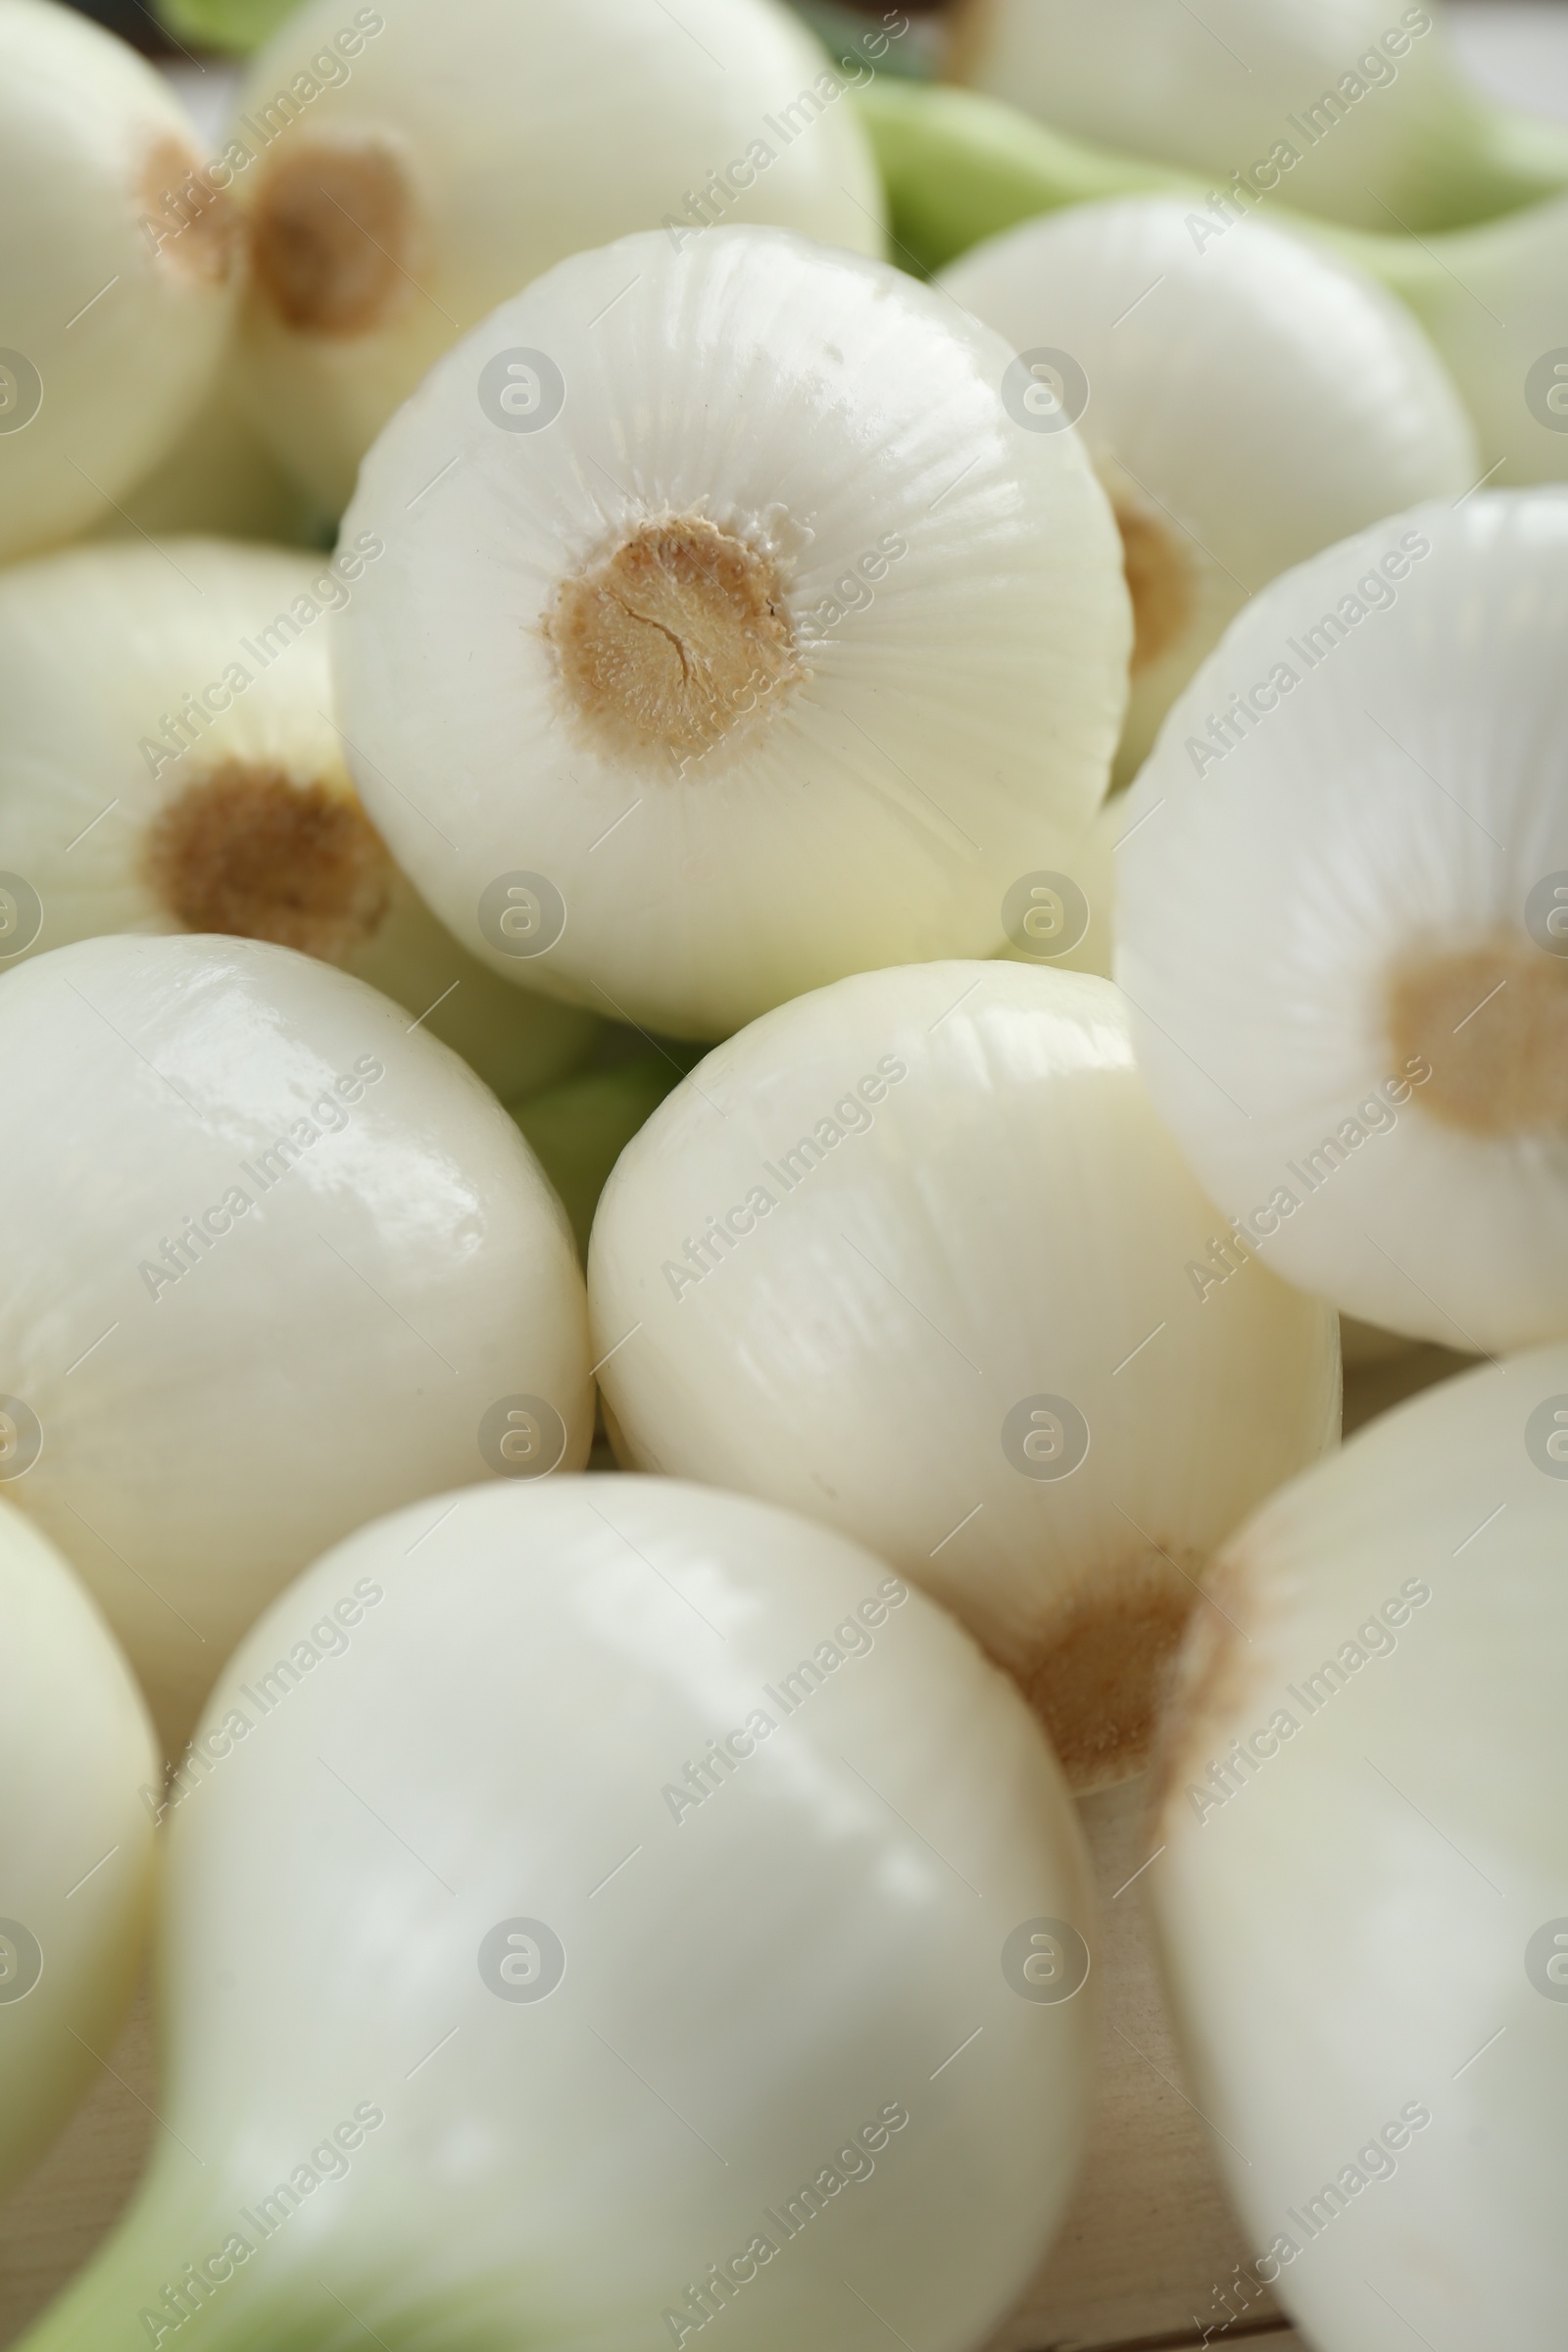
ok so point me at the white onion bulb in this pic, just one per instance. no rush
(773, 643)
(169, 762)
(1246, 400)
(913, 1253)
(279, 1263)
(404, 168)
(77, 1756)
(1342, 923)
(540, 1970)
(1353, 109)
(1364, 1885)
(118, 279)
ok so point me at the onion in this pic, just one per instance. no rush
(753, 635)
(913, 1253)
(1245, 404)
(1355, 109)
(961, 168)
(1343, 922)
(287, 1264)
(171, 761)
(404, 168)
(1364, 1876)
(630, 1998)
(119, 277)
(76, 1840)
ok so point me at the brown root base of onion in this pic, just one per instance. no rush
(1098, 1678)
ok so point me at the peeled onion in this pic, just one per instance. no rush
(600, 1921)
(119, 277)
(77, 1765)
(1342, 923)
(914, 1254)
(403, 169)
(752, 635)
(171, 760)
(1246, 400)
(1363, 1881)
(285, 1264)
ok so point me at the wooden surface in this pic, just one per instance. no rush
(1148, 2239)
(1150, 2235)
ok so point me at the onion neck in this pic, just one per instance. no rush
(959, 167)
(136, 2290)
(105, 2307)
